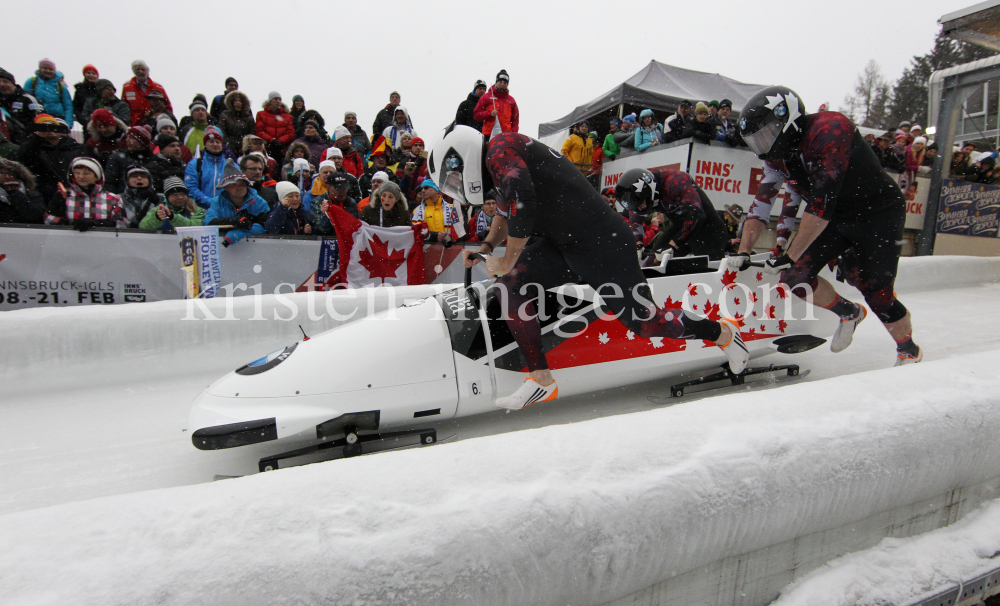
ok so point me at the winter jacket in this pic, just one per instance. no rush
(160, 167)
(323, 226)
(465, 116)
(374, 214)
(365, 181)
(221, 211)
(137, 203)
(53, 95)
(201, 183)
(102, 147)
(21, 207)
(317, 146)
(287, 221)
(506, 107)
(118, 164)
(625, 139)
(674, 127)
(439, 216)
(703, 132)
(479, 226)
(219, 105)
(8, 151)
(610, 147)
(117, 107)
(236, 125)
(271, 125)
(192, 136)
(644, 137)
(394, 132)
(135, 96)
(102, 208)
(362, 144)
(578, 149)
(914, 160)
(596, 161)
(49, 163)
(20, 109)
(385, 117)
(724, 131)
(182, 217)
(959, 170)
(85, 92)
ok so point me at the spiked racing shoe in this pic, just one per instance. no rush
(845, 332)
(529, 393)
(735, 349)
(903, 358)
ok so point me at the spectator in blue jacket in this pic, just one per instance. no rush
(202, 175)
(239, 206)
(650, 133)
(48, 86)
(289, 217)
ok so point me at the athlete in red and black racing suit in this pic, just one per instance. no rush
(695, 226)
(851, 204)
(575, 236)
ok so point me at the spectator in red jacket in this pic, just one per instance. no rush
(135, 90)
(498, 105)
(275, 125)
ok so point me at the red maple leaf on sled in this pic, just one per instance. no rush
(378, 261)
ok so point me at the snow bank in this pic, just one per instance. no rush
(572, 514)
(921, 274)
(901, 571)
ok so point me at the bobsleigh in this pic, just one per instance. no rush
(394, 374)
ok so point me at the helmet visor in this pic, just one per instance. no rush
(452, 181)
(763, 140)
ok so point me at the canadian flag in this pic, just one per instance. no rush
(372, 256)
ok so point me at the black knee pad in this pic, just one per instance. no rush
(894, 313)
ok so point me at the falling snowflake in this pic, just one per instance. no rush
(603, 338)
(630, 336)
(657, 342)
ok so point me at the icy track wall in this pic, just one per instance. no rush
(720, 501)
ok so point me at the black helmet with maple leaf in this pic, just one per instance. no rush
(772, 121)
(636, 186)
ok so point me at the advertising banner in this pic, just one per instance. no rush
(969, 209)
(200, 261)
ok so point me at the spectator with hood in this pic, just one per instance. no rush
(578, 147)
(219, 102)
(648, 134)
(254, 166)
(674, 125)
(168, 162)
(464, 115)
(238, 205)
(313, 141)
(85, 91)
(176, 210)
(203, 173)
(298, 108)
(85, 203)
(136, 153)
(137, 89)
(106, 99)
(48, 154)
(19, 202)
(315, 116)
(107, 135)
(699, 129)
(48, 86)
(385, 116)
(289, 217)
(236, 121)
(275, 125)
(20, 107)
(401, 124)
(625, 138)
(359, 138)
(139, 196)
(612, 149)
(387, 207)
(497, 106)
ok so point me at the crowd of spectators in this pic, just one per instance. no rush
(275, 171)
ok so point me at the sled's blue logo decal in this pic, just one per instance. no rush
(781, 110)
(743, 124)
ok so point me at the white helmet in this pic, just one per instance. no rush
(455, 163)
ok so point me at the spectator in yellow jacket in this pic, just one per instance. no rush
(579, 147)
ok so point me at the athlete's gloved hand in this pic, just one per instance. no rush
(776, 265)
(740, 261)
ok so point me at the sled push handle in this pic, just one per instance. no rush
(468, 270)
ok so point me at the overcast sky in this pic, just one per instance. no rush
(349, 55)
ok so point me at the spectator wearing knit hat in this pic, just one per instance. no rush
(177, 209)
(625, 137)
(312, 139)
(387, 207)
(85, 203)
(497, 106)
(105, 99)
(464, 115)
(713, 108)
(359, 138)
(192, 133)
(578, 146)
(137, 89)
(725, 129)
(289, 217)
(237, 205)
(139, 197)
(236, 121)
(49, 87)
(168, 161)
(48, 153)
(136, 153)
(699, 129)
(20, 107)
(106, 135)
(166, 126)
(275, 125)
(386, 115)
(335, 155)
(343, 140)
(297, 110)
(378, 179)
(203, 173)
(219, 102)
(85, 91)
(19, 202)
(609, 147)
